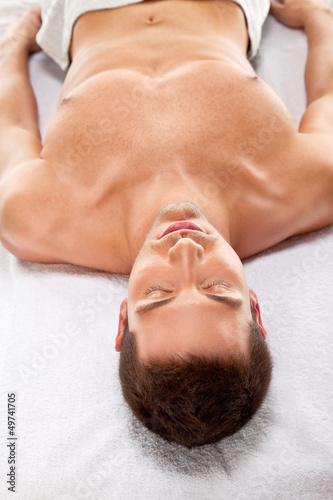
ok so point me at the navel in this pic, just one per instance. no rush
(152, 19)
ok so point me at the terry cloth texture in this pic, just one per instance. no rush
(59, 17)
(77, 438)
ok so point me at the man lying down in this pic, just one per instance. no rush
(167, 158)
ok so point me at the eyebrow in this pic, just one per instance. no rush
(234, 303)
(153, 305)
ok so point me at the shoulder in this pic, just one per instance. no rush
(31, 211)
(46, 218)
(295, 196)
(310, 179)
(313, 156)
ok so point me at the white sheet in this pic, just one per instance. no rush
(76, 437)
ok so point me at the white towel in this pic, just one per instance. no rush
(76, 437)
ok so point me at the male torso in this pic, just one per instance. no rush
(160, 105)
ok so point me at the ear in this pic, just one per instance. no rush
(256, 308)
(121, 326)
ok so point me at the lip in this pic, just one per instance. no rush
(177, 226)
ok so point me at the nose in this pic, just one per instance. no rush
(186, 254)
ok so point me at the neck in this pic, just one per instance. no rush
(139, 222)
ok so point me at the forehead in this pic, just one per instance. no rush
(190, 328)
(197, 313)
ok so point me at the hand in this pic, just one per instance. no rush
(21, 33)
(294, 13)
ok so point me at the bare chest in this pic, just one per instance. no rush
(121, 128)
(207, 128)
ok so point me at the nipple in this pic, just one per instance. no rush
(65, 100)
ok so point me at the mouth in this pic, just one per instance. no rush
(177, 226)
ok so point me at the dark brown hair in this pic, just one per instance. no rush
(196, 400)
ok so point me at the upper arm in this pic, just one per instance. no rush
(19, 161)
(316, 132)
(311, 180)
(29, 211)
(318, 117)
(17, 145)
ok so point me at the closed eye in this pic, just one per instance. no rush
(230, 301)
(156, 289)
(216, 283)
